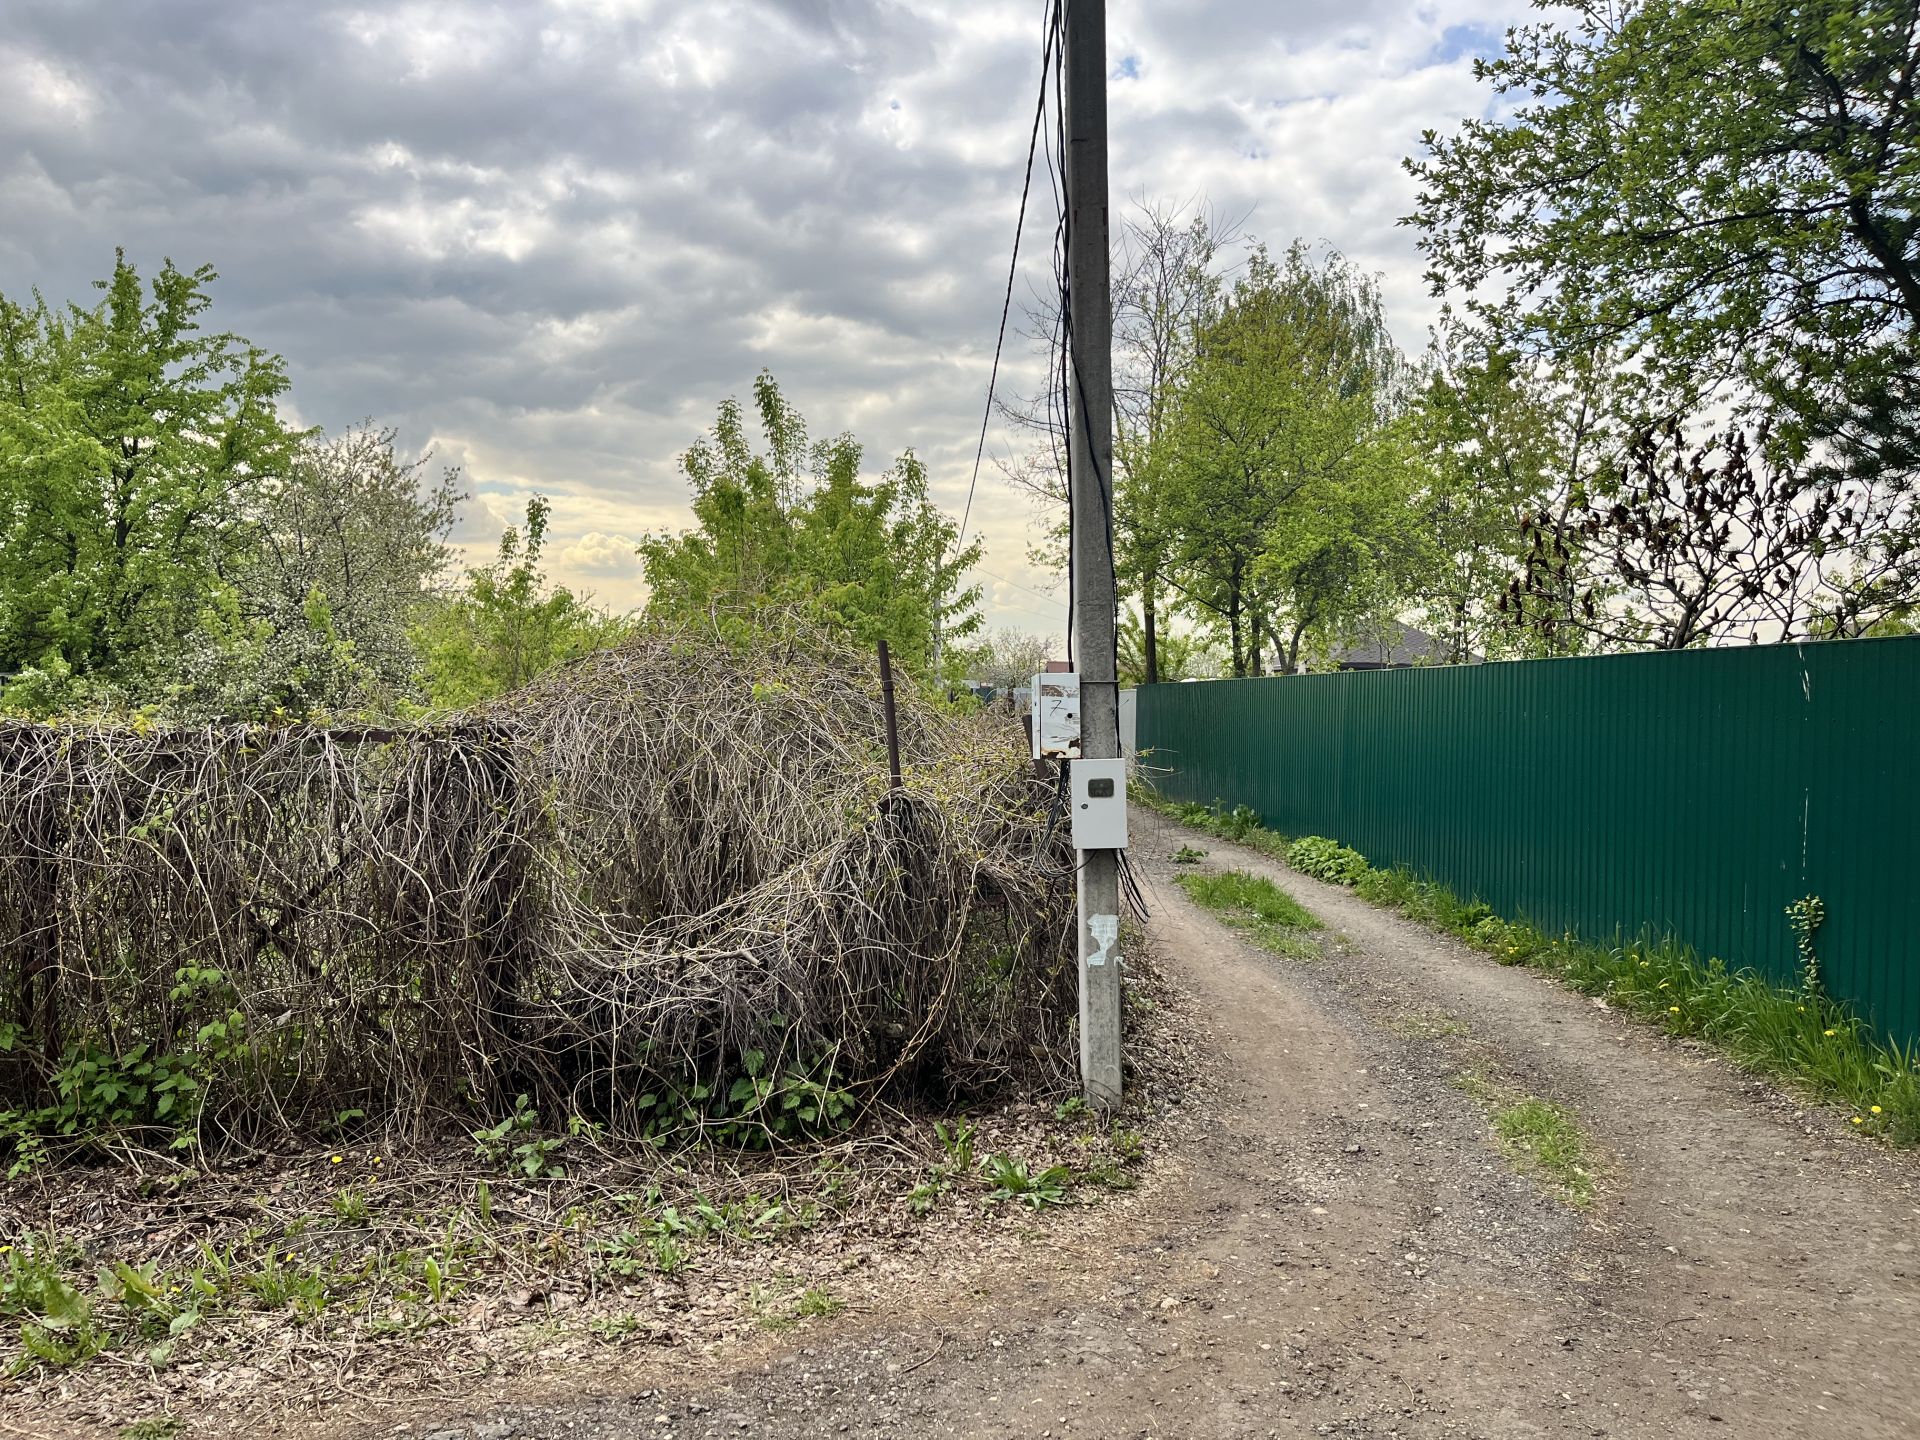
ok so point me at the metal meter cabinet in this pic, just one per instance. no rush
(1099, 791)
(1056, 716)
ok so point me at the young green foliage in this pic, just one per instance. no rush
(797, 528)
(132, 444)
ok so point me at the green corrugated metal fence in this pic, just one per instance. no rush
(1694, 793)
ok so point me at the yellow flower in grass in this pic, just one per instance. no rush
(1830, 1032)
(1858, 1121)
(337, 1159)
(1874, 1108)
(1673, 1009)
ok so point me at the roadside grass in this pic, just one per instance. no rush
(1798, 1036)
(1273, 918)
(1541, 1138)
(1240, 824)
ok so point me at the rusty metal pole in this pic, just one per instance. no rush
(893, 720)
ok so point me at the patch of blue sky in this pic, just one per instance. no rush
(1482, 42)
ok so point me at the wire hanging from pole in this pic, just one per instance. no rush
(1049, 55)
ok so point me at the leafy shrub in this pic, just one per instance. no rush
(1326, 859)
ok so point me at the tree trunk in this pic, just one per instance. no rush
(1152, 647)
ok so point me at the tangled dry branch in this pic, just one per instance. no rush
(667, 865)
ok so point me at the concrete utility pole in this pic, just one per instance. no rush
(1090, 479)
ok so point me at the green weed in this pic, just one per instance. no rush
(1427, 1025)
(514, 1144)
(815, 1303)
(1011, 1179)
(957, 1141)
(1326, 859)
(1255, 904)
(1542, 1138)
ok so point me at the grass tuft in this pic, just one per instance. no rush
(1255, 904)
(1541, 1138)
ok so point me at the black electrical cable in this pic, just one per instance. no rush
(1047, 62)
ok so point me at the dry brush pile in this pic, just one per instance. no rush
(666, 886)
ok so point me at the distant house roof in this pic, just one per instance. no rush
(1059, 667)
(1395, 647)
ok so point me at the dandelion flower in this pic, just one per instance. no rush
(1858, 1121)
(1830, 1032)
(1673, 1009)
(337, 1159)
(1874, 1108)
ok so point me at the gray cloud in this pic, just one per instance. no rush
(546, 237)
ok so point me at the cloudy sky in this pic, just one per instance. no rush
(546, 237)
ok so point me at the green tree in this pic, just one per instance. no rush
(132, 446)
(1722, 189)
(507, 623)
(1277, 437)
(344, 551)
(1167, 288)
(796, 528)
(1182, 654)
(1342, 557)
(1503, 444)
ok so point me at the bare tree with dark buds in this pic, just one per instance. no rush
(1701, 546)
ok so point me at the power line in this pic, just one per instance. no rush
(1013, 266)
(1050, 599)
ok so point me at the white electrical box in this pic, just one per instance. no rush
(1099, 799)
(1056, 716)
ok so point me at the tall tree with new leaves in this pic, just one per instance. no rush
(133, 445)
(1282, 469)
(1723, 189)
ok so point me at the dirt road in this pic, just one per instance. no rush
(1348, 1253)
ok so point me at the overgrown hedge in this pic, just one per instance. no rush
(667, 886)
